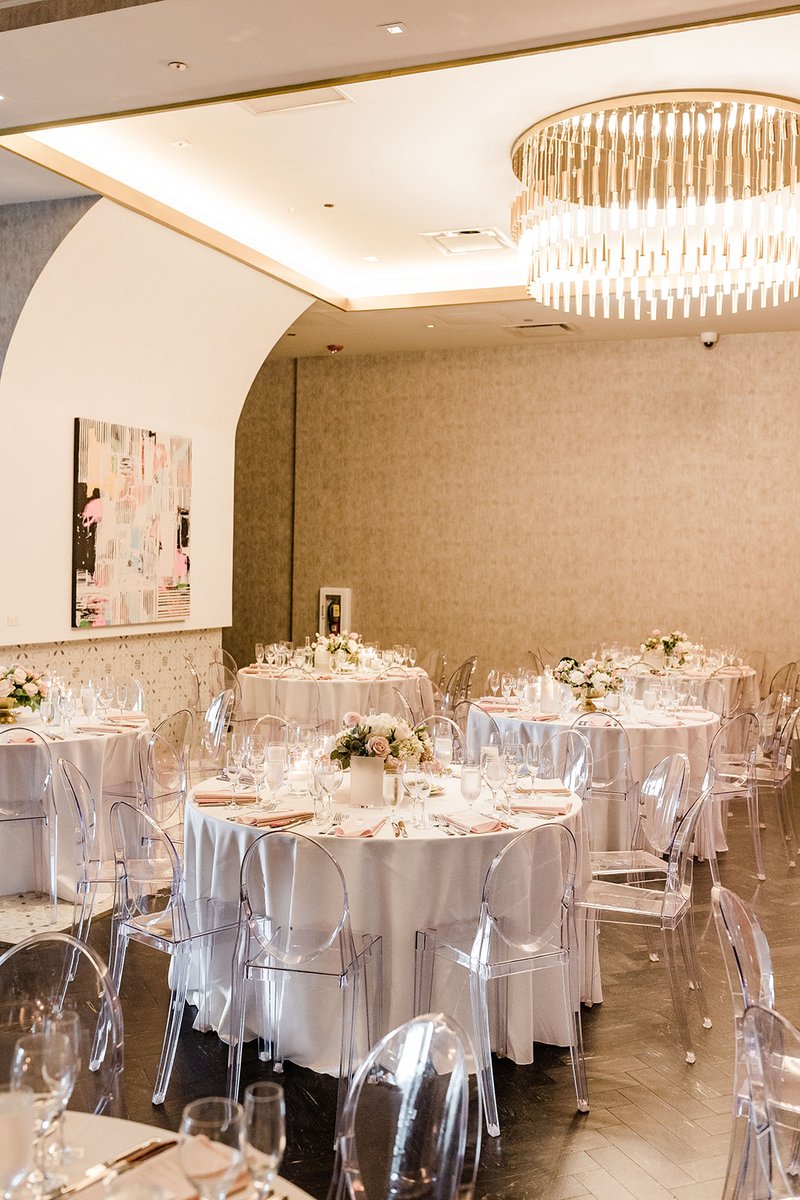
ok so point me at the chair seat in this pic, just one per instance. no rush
(98, 873)
(455, 942)
(633, 905)
(627, 862)
(328, 962)
(203, 917)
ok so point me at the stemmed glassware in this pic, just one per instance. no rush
(329, 775)
(68, 1023)
(43, 1063)
(234, 765)
(16, 1144)
(259, 654)
(257, 762)
(411, 655)
(105, 696)
(68, 706)
(213, 1169)
(276, 768)
(470, 782)
(265, 1121)
(492, 772)
(506, 684)
(493, 682)
(417, 781)
(50, 711)
(532, 759)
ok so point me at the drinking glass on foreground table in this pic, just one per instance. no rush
(213, 1146)
(265, 1120)
(43, 1064)
(471, 783)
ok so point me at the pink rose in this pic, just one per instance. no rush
(20, 675)
(30, 689)
(378, 746)
(350, 719)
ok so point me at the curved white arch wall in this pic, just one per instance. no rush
(129, 322)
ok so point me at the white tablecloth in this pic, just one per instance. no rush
(396, 886)
(105, 760)
(104, 1138)
(348, 692)
(652, 736)
(740, 684)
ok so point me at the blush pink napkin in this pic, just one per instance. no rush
(275, 820)
(466, 822)
(123, 717)
(96, 729)
(542, 717)
(550, 787)
(19, 739)
(360, 828)
(208, 796)
(541, 808)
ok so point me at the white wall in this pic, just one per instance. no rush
(127, 322)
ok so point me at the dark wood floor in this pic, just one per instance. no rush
(658, 1128)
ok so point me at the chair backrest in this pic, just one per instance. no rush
(26, 771)
(145, 859)
(712, 696)
(611, 752)
(294, 899)
(784, 743)
(771, 714)
(735, 745)
(528, 892)
(745, 949)
(178, 730)
(51, 973)
(446, 727)
(491, 735)
(772, 1058)
(784, 679)
(164, 794)
(434, 664)
(215, 722)
(297, 697)
(459, 685)
(661, 799)
(408, 1128)
(680, 865)
(82, 814)
(222, 679)
(567, 755)
(195, 687)
(276, 730)
(225, 658)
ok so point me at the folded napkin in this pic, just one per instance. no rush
(273, 820)
(359, 828)
(210, 796)
(548, 787)
(542, 717)
(96, 729)
(467, 822)
(123, 717)
(18, 739)
(543, 806)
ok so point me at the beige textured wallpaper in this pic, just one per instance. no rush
(485, 501)
(262, 521)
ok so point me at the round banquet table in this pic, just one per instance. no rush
(348, 691)
(652, 736)
(105, 758)
(105, 1138)
(740, 684)
(396, 886)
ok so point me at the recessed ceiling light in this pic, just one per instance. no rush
(177, 65)
(394, 27)
(329, 205)
(181, 144)
(430, 326)
(2, 97)
(371, 258)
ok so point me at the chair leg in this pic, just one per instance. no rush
(349, 985)
(483, 1050)
(181, 961)
(785, 818)
(239, 980)
(277, 989)
(424, 958)
(575, 1041)
(752, 810)
(689, 950)
(372, 958)
(711, 841)
(670, 959)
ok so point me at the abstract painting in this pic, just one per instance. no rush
(130, 525)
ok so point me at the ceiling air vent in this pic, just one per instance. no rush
(468, 241)
(531, 331)
(289, 102)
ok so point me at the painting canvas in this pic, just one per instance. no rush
(130, 530)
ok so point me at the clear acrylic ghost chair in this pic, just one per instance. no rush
(459, 685)
(667, 909)
(711, 695)
(567, 755)
(775, 776)
(434, 664)
(411, 1124)
(222, 679)
(294, 922)
(445, 727)
(732, 773)
(277, 730)
(612, 778)
(225, 658)
(478, 727)
(784, 679)
(129, 693)
(54, 972)
(661, 798)
(297, 697)
(150, 907)
(526, 924)
(178, 730)
(164, 789)
(771, 713)
(748, 964)
(213, 734)
(26, 773)
(131, 789)
(385, 696)
(92, 873)
(770, 1167)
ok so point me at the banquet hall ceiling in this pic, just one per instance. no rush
(335, 189)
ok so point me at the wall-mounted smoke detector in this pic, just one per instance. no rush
(469, 241)
(533, 331)
(312, 98)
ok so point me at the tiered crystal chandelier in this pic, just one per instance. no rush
(664, 204)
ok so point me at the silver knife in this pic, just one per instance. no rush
(114, 1166)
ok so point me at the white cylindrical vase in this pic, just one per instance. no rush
(366, 782)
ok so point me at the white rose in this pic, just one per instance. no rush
(577, 677)
(20, 675)
(600, 680)
(30, 689)
(6, 688)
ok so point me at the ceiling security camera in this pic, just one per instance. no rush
(709, 339)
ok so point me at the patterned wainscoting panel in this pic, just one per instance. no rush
(157, 660)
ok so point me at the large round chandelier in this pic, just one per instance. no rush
(663, 204)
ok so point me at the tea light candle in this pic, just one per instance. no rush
(443, 750)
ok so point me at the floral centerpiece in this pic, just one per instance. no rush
(19, 688)
(670, 649)
(383, 736)
(345, 643)
(589, 680)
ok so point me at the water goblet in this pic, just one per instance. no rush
(234, 764)
(259, 655)
(68, 1022)
(257, 762)
(275, 772)
(407, 774)
(492, 772)
(265, 1123)
(493, 682)
(105, 696)
(88, 700)
(532, 759)
(50, 711)
(412, 655)
(419, 813)
(213, 1170)
(68, 706)
(16, 1144)
(506, 684)
(443, 750)
(43, 1063)
(470, 783)
(330, 778)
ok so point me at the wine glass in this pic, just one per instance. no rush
(43, 1063)
(506, 684)
(419, 814)
(257, 762)
(330, 775)
(492, 772)
(260, 654)
(234, 765)
(265, 1123)
(68, 706)
(493, 682)
(88, 700)
(50, 711)
(412, 656)
(68, 1022)
(16, 1145)
(532, 759)
(471, 783)
(514, 765)
(121, 691)
(105, 696)
(214, 1169)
